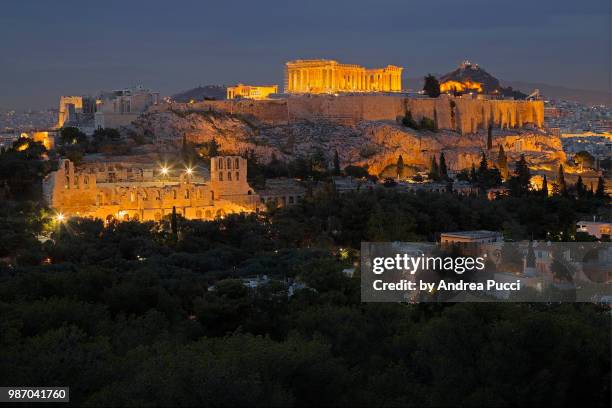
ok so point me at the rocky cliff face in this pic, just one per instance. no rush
(372, 143)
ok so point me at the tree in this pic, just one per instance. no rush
(443, 168)
(580, 189)
(584, 159)
(502, 162)
(473, 175)
(356, 171)
(409, 121)
(431, 86)
(520, 182)
(434, 171)
(337, 163)
(400, 166)
(173, 222)
(561, 181)
(601, 188)
(72, 136)
(544, 189)
(490, 137)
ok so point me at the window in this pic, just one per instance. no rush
(174, 194)
(237, 164)
(229, 163)
(220, 176)
(132, 196)
(220, 164)
(212, 196)
(186, 193)
(237, 176)
(199, 214)
(229, 176)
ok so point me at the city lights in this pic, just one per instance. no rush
(164, 170)
(189, 171)
(60, 217)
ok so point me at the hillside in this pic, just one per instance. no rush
(371, 143)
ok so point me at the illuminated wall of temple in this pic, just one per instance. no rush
(329, 76)
(251, 91)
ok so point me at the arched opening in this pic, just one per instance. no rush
(229, 163)
(220, 164)
(237, 176)
(229, 176)
(136, 217)
(208, 214)
(212, 196)
(237, 164)
(220, 176)
(220, 213)
(157, 216)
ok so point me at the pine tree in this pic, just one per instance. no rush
(561, 181)
(431, 86)
(336, 163)
(601, 188)
(443, 168)
(544, 187)
(490, 137)
(400, 166)
(522, 176)
(502, 162)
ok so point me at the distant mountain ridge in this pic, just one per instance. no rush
(201, 93)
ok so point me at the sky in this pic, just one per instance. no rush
(65, 47)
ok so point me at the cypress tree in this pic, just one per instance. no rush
(400, 166)
(502, 162)
(561, 181)
(434, 171)
(336, 163)
(544, 187)
(173, 226)
(580, 190)
(443, 168)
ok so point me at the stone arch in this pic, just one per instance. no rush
(208, 214)
(220, 213)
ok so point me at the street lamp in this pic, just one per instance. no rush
(164, 170)
(60, 217)
(189, 171)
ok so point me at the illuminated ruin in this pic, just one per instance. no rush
(329, 76)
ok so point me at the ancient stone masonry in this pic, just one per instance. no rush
(138, 192)
(464, 115)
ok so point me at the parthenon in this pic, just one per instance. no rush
(329, 76)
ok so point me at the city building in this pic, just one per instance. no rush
(594, 228)
(472, 237)
(113, 190)
(122, 107)
(329, 76)
(251, 91)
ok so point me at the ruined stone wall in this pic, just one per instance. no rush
(459, 114)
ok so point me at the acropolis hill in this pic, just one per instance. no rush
(364, 129)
